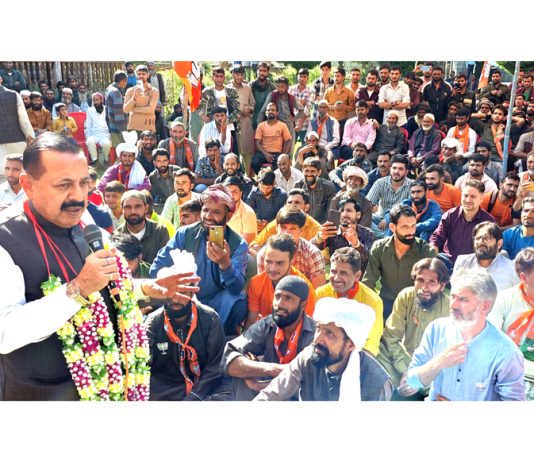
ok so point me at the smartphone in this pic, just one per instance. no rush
(424, 68)
(334, 216)
(216, 235)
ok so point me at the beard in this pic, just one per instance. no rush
(37, 107)
(163, 170)
(287, 320)
(421, 201)
(321, 357)
(173, 313)
(486, 253)
(353, 189)
(432, 187)
(427, 303)
(405, 240)
(270, 117)
(99, 108)
(182, 193)
(310, 182)
(134, 220)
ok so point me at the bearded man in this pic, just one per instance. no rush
(414, 308)
(96, 129)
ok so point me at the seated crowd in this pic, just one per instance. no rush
(354, 241)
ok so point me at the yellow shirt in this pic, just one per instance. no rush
(58, 126)
(309, 231)
(370, 298)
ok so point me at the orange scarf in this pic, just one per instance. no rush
(188, 154)
(498, 136)
(320, 126)
(186, 351)
(462, 137)
(523, 326)
(291, 350)
(418, 215)
(351, 294)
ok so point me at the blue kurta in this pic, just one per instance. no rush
(218, 289)
(492, 371)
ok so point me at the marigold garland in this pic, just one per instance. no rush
(99, 368)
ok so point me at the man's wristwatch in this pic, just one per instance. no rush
(73, 292)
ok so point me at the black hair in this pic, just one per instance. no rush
(32, 157)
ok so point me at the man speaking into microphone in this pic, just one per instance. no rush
(61, 334)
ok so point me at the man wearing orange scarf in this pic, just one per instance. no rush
(278, 338)
(186, 343)
(513, 313)
(463, 133)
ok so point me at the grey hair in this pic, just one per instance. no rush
(477, 281)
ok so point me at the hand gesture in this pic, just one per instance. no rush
(452, 356)
(350, 234)
(176, 287)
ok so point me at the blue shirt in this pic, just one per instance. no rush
(372, 176)
(493, 369)
(514, 241)
(218, 289)
(266, 209)
(426, 223)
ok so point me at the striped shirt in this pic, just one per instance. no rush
(305, 97)
(382, 193)
(308, 259)
(266, 209)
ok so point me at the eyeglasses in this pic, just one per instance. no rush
(484, 239)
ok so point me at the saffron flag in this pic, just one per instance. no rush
(484, 75)
(189, 73)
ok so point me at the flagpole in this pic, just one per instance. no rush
(509, 122)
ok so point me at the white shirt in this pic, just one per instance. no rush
(23, 323)
(401, 94)
(287, 185)
(210, 131)
(8, 196)
(95, 123)
(501, 270)
(323, 141)
(472, 140)
(489, 184)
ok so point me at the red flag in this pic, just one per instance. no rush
(189, 72)
(484, 75)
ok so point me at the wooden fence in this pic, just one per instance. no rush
(96, 75)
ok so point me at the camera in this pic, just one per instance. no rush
(456, 85)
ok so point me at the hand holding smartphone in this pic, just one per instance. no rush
(216, 235)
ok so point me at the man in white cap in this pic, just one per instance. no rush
(334, 367)
(452, 157)
(127, 171)
(354, 180)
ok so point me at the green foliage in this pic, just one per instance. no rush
(510, 65)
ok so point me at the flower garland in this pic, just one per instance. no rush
(95, 362)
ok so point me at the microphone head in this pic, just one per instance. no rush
(93, 236)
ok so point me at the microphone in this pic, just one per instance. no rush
(93, 236)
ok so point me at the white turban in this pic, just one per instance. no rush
(129, 145)
(356, 319)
